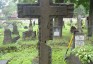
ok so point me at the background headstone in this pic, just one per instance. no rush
(79, 40)
(56, 31)
(7, 36)
(27, 34)
(15, 38)
(72, 59)
(15, 29)
(3, 61)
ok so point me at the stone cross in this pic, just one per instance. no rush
(45, 11)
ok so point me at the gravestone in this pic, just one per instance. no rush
(14, 40)
(45, 10)
(3, 61)
(15, 29)
(7, 36)
(27, 34)
(72, 59)
(79, 39)
(33, 34)
(56, 31)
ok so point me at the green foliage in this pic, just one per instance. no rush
(22, 55)
(85, 3)
(84, 53)
(27, 50)
(2, 4)
(80, 10)
(28, 1)
(9, 9)
(58, 55)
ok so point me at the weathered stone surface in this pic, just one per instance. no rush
(15, 38)
(79, 39)
(15, 29)
(56, 31)
(44, 54)
(33, 34)
(45, 11)
(72, 59)
(7, 36)
(3, 61)
(38, 11)
(27, 34)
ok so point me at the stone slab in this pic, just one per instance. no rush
(3, 61)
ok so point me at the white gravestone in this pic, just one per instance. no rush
(56, 31)
(79, 40)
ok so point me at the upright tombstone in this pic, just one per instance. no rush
(27, 35)
(15, 29)
(56, 31)
(57, 27)
(7, 36)
(45, 11)
(78, 40)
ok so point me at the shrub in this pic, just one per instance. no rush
(85, 54)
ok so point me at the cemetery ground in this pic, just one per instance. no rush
(25, 51)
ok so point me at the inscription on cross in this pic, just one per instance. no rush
(45, 11)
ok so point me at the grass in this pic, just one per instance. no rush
(58, 55)
(25, 54)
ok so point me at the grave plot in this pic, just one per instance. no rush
(52, 42)
(15, 50)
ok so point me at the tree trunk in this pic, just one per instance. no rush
(90, 26)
